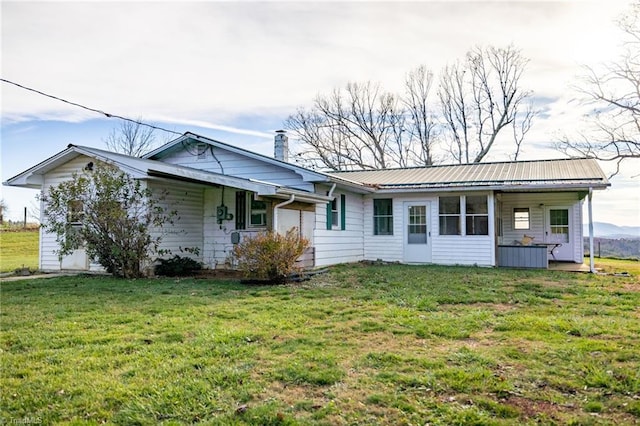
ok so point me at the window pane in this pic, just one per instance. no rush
(383, 226)
(449, 225)
(382, 207)
(449, 205)
(477, 204)
(559, 217)
(477, 225)
(521, 218)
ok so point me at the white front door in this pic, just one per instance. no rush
(417, 235)
(559, 231)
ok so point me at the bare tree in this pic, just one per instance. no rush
(481, 96)
(364, 127)
(359, 127)
(422, 124)
(131, 138)
(614, 92)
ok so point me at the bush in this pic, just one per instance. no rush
(269, 255)
(177, 266)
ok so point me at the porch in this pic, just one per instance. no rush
(568, 266)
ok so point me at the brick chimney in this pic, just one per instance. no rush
(281, 146)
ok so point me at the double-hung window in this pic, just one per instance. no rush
(449, 211)
(337, 213)
(383, 216)
(477, 215)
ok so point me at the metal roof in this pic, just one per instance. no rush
(542, 174)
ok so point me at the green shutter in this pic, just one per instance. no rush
(241, 209)
(329, 224)
(343, 212)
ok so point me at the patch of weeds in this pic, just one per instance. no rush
(314, 369)
(593, 407)
(634, 408)
(496, 409)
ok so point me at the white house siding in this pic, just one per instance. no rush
(186, 231)
(537, 203)
(49, 260)
(337, 246)
(445, 249)
(233, 164)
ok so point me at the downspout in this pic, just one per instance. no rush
(592, 267)
(275, 210)
(330, 194)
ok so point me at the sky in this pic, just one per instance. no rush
(234, 71)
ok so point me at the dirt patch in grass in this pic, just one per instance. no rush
(219, 274)
(531, 408)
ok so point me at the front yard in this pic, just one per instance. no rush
(359, 345)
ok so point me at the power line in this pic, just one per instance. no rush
(106, 114)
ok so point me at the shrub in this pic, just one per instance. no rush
(177, 266)
(110, 214)
(269, 255)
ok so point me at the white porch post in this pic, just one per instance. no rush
(592, 267)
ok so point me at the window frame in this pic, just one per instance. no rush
(442, 216)
(474, 216)
(387, 217)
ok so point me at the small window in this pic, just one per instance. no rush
(521, 218)
(449, 211)
(335, 214)
(258, 213)
(75, 213)
(383, 216)
(477, 215)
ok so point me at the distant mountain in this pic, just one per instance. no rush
(609, 230)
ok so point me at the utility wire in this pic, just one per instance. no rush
(106, 114)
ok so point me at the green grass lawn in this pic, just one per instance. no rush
(359, 345)
(18, 249)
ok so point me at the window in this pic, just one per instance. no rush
(521, 218)
(258, 215)
(477, 215)
(250, 211)
(335, 220)
(383, 216)
(75, 213)
(449, 210)
(337, 213)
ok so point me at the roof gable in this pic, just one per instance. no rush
(307, 175)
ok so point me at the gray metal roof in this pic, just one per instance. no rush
(542, 174)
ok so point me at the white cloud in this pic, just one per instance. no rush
(209, 64)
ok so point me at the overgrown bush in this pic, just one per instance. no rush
(269, 255)
(177, 266)
(108, 213)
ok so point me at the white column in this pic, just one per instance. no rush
(592, 267)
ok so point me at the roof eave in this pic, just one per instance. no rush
(386, 189)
